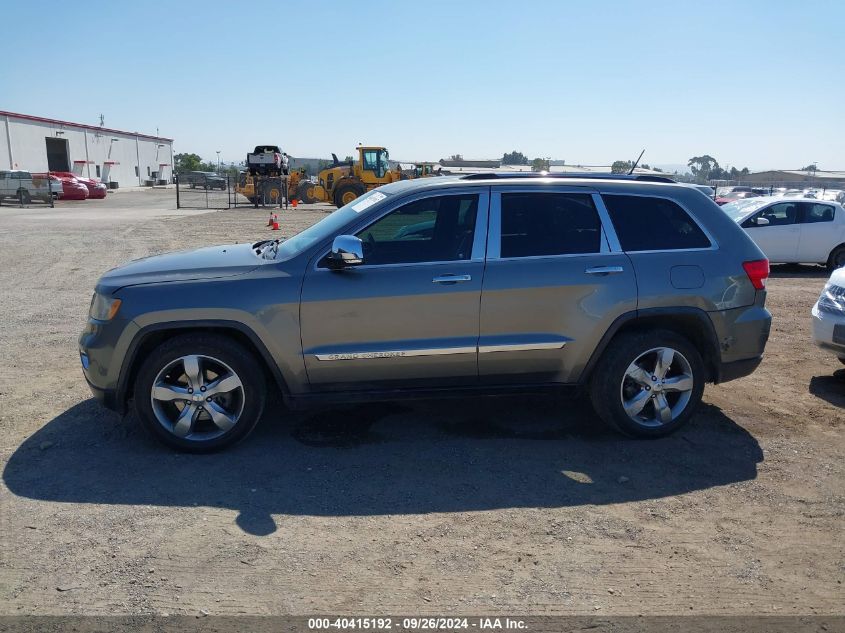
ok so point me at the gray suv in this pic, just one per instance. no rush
(638, 291)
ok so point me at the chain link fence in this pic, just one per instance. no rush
(265, 191)
(203, 190)
(207, 190)
(23, 189)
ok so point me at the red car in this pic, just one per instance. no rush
(96, 190)
(56, 188)
(733, 196)
(72, 189)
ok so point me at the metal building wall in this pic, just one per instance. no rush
(23, 146)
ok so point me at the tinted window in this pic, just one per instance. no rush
(781, 214)
(549, 224)
(816, 213)
(433, 229)
(643, 223)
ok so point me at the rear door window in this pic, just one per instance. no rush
(645, 223)
(544, 224)
(812, 212)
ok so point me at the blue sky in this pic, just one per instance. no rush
(757, 84)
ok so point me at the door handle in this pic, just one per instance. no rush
(451, 279)
(604, 270)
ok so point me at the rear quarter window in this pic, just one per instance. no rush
(645, 223)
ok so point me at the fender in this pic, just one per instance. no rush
(134, 346)
(698, 314)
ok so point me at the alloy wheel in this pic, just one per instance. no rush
(197, 398)
(657, 387)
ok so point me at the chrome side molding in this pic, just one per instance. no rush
(441, 351)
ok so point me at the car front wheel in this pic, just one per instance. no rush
(648, 384)
(199, 393)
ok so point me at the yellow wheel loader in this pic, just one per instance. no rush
(341, 183)
(299, 187)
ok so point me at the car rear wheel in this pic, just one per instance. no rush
(199, 393)
(837, 258)
(648, 384)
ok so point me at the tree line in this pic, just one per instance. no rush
(704, 168)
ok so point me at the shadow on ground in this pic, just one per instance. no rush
(830, 388)
(799, 271)
(452, 456)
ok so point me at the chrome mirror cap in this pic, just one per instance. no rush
(347, 250)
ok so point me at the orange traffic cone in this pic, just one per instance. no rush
(293, 202)
(275, 222)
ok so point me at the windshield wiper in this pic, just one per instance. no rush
(264, 247)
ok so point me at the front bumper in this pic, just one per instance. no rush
(824, 324)
(102, 350)
(738, 368)
(106, 397)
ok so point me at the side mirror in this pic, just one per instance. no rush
(761, 221)
(347, 250)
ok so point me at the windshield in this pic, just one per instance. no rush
(328, 226)
(739, 209)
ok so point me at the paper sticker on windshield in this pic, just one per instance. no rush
(374, 197)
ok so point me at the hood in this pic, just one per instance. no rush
(211, 262)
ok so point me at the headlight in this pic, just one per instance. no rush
(103, 308)
(832, 299)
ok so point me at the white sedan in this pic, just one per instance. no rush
(829, 316)
(793, 231)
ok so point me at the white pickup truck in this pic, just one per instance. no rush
(267, 160)
(24, 187)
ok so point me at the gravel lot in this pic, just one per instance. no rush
(512, 505)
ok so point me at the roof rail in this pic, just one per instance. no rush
(539, 174)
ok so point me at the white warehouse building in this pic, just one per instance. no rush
(125, 159)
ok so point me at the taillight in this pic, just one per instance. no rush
(758, 272)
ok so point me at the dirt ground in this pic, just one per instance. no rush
(517, 505)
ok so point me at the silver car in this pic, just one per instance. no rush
(637, 290)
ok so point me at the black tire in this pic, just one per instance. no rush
(24, 197)
(836, 259)
(608, 383)
(302, 192)
(249, 401)
(346, 188)
(267, 187)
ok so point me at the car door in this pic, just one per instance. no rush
(552, 286)
(409, 315)
(779, 238)
(819, 232)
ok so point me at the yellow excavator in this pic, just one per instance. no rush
(341, 183)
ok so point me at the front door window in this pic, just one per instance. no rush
(436, 229)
